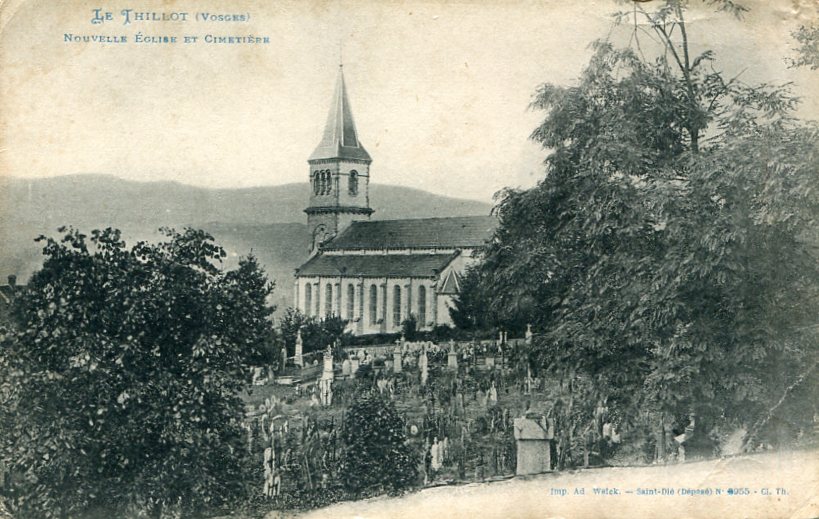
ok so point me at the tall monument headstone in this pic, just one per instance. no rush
(397, 360)
(423, 362)
(298, 358)
(326, 381)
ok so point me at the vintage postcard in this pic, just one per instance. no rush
(412, 258)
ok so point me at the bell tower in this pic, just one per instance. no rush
(339, 174)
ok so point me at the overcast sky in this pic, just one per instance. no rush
(439, 90)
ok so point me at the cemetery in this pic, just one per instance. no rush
(471, 411)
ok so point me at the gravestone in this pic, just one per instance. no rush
(346, 368)
(327, 372)
(452, 360)
(354, 363)
(397, 361)
(327, 377)
(298, 358)
(422, 365)
(533, 438)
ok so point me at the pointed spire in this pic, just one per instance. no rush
(340, 140)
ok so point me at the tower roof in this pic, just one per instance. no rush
(340, 140)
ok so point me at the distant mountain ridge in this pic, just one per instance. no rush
(269, 220)
(92, 199)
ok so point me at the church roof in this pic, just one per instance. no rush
(340, 140)
(452, 283)
(417, 233)
(380, 265)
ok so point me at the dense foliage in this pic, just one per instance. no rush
(316, 334)
(807, 38)
(377, 456)
(666, 256)
(119, 392)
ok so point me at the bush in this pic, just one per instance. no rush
(377, 456)
(372, 339)
(409, 328)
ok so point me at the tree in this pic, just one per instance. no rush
(376, 456)
(316, 334)
(807, 37)
(409, 327)
(250, 323)
(120, 389)
(471, 310)
(651, 252)
(289, 325)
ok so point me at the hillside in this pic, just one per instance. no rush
(268, 220)
(86, 200)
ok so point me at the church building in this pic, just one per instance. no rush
(375, 274)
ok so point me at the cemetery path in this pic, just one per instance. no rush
(768, 485)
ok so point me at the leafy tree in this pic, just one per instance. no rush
(807, 37)
(251, 324)
(120, 388)
(289, 326)
(652, 252)
(409, 327)
(316, 334)
(377, 456)
(469, 309)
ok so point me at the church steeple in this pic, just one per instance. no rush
(340, 139)
(339, 174)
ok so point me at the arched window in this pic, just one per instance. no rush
(315, 182)
(308, 299)
(350, 302)
(328, 300)
(328, 186)
(422, 307)
(353, 182)
(396, 305)
(373, 304)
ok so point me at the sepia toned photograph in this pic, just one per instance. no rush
(408, 259)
